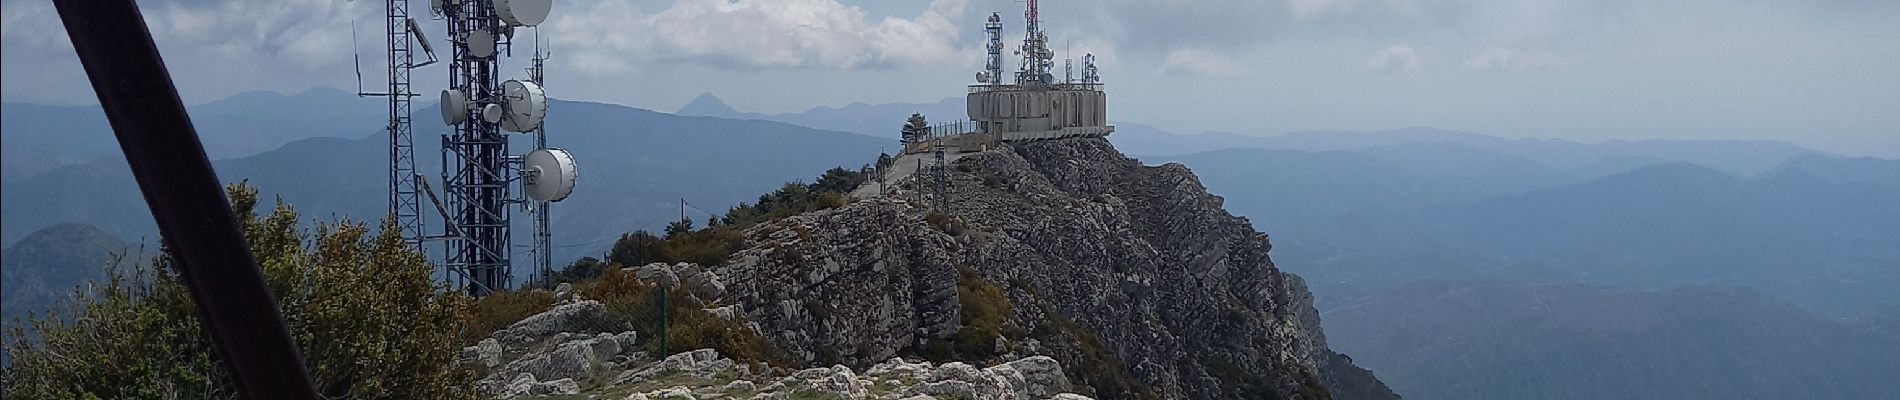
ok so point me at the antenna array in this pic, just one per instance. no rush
(478, 173)
(1037, 59)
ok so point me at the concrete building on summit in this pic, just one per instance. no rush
(1035, 106)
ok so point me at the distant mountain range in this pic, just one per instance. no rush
(881, 120)
(1816, 230)
(1505, 341)
(1626, 231)
(1739, 157)
(46, 266)
(636, 166)
(41, 138)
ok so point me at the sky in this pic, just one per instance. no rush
(1820, 73)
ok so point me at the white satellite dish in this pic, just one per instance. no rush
(454, 107)
(526, 104)
(491, 113)
(548, 174)
(523, 12)
(480, 43)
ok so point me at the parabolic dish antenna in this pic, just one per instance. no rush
(526, 105)
(480, 43)
(454, 107)
(523, 12)
(491, 113)
(548, 174)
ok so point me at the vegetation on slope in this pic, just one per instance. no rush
(371, 322)
(634, 305)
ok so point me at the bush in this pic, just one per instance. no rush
(502, 308)
(985, 316)
(1107, 375)
(370, 320)
(632, 304)
(944, 223)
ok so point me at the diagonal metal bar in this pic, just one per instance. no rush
(186, 198)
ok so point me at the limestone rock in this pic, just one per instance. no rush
(486, 353)
(1113, 261)
(570, 317)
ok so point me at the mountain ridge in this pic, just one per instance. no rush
(1101, 262)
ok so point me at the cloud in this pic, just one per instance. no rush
(756, 33)
(298, 34)
(1308, 9)
(1394, 59)
(1502, 59)
(212, 47)
(1202, 62)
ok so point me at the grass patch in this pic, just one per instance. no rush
(500, 309)
(1106, 373)
(944, 222)
(809, 394)
(985, 316)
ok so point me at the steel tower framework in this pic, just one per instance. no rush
(404, 198)
(543, 239)
(476, 170)
(993, 68)
(1037, 59)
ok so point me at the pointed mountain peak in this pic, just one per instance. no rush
(707, 105)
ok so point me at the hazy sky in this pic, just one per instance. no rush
(1821, 73)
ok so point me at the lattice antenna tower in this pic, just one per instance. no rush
(478, 173)
(543, 238)
(1090, 74)
(401, 36)
(993, 68)
(1037, 59)
(1068, 64)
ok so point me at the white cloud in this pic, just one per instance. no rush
(1307, 9)
(1314, 8)
(1394, 59)
(299, 34)
(1502, 59)
(1202, 62)
(605, 35)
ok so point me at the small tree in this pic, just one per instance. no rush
(915, 128)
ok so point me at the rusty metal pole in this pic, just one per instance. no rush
(186, 198)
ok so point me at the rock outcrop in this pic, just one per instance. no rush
(610, 366)
(1133, 275)
(1034, 378)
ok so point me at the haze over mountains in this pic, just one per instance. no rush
(636, 166)
(41, 138)
(1674, 259)
(881, 120)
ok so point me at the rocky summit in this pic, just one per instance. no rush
(1132, 275)
(547, 355)
(1026, 258)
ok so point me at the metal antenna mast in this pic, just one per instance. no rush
(993, 71)
(478, 173)
(400, 38)
(475, 168)
(543, 239)
(1037, 59)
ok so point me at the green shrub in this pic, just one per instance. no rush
(985, 316)
(370, 320)
(943, 222)
(632, 304)
(503, 308)
(1107, 375)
